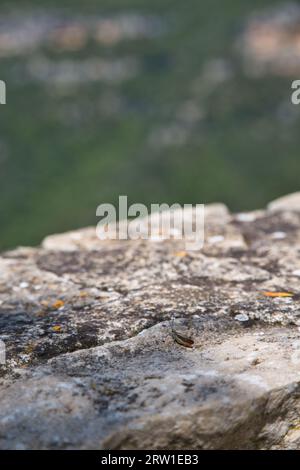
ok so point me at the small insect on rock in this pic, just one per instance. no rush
(180, 339)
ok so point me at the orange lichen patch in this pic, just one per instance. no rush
(277, 294)
(83, 294)
(58, 304)
(180, 254)
(56, 328)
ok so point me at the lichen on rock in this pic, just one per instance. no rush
(91, 362)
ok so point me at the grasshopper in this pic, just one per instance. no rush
(180, 339)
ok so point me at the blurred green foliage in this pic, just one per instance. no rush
(56, 168)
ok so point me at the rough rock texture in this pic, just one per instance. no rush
(91, 362)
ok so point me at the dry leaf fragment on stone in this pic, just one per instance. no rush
(277, 294)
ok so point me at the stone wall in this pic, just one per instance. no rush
(91, 362)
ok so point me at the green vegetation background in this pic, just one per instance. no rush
(56, 173)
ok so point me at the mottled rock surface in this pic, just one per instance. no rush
(91, 362)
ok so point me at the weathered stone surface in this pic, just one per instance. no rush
(91, 362)
(291, 202)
